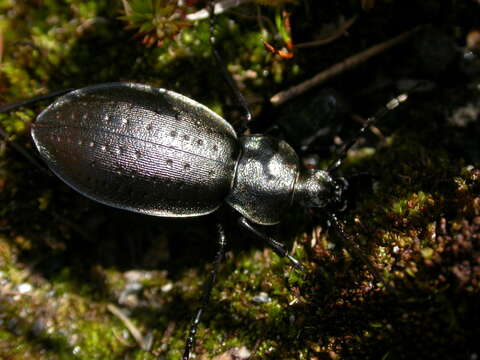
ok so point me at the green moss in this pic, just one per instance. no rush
(64, 259)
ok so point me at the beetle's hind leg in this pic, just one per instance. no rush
(206, 293)
(247, 114)
(272, 243)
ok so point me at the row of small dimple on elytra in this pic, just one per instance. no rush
(124, 121)
(138, 154)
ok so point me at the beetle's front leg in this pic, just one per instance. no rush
(275, 245)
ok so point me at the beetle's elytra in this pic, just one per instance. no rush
(154, 151)
(139, 148)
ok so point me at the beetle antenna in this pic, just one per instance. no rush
(19, 104)
(392, 104)
(247, 116)
(206, 293)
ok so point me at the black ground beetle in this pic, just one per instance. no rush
(157, 152)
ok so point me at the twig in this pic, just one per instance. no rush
(137, 335)
(122, 340)
(338, 68)
(1, 45)
(338, 33)
(127, 8)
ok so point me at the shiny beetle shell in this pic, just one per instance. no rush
(139, 148)
(265, 179)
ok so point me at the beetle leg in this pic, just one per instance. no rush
(33, 100)
(275, 245)
(226, 75)
(24, 153)
(19, 104)
(206, 293)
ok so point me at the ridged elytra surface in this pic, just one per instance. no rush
(139, 148)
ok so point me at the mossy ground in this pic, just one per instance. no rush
(64, 260)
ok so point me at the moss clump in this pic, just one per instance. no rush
(65, 260)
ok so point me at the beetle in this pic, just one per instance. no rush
(156, 152)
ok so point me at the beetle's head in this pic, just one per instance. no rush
(318, 189)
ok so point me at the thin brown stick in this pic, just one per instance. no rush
(1, 46)
(337, 34)
(137, 335)
(127, 8)
(339, 68)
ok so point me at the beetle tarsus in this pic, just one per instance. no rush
(297, 264)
